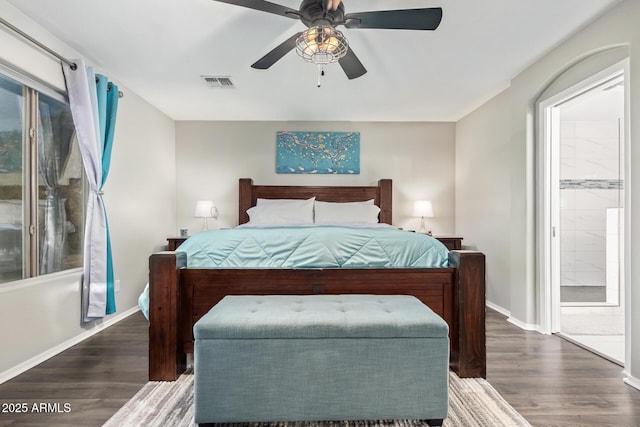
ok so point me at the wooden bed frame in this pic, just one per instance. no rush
(179, 296)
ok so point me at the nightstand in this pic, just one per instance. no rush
(174, 242)
(452, 243)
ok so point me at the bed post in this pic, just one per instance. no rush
(167, 360)
(468, 347)
(245, 199)
(385, 202)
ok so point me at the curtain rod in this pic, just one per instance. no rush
(21, 33)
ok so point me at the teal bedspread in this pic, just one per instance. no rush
(310, 247)
(313, 247)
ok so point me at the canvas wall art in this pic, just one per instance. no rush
(318, 152)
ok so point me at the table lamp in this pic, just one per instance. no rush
(423, 208)
(205, 209)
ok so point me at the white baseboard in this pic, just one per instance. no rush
(525, 326)
(512, 320)
(498, 308)
(632, 381)
(36, 360)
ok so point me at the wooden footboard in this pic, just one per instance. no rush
(180, 296)
(167, 358)
(469, 357)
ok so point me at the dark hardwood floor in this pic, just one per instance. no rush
(94, 378)
(551, 382)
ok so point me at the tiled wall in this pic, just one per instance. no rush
(589, 184)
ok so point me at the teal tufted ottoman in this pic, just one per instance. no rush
(320, 358)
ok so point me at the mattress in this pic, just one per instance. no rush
(329, 246)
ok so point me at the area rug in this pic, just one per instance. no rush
(472, 403)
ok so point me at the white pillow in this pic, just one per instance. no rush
(365, 202)
(287, 213)
(350, 212)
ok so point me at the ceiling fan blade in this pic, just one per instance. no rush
(351, 65)
(277, 53)
(407, 19)
(265, 6)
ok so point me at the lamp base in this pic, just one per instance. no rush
(423, 230)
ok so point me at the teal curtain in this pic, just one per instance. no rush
(94, 104)
(107, 110)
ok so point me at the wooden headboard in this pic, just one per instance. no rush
(249, 193)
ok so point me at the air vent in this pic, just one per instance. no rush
(219, 81)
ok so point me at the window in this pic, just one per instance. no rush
(41, 182)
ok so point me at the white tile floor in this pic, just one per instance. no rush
(598, 329)
(608, 346)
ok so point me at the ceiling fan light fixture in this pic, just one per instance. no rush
(322, 45)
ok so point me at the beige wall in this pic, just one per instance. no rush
(41, 316)
(483, 191)
(419, 157)
(618, 27)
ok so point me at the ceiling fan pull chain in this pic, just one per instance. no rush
(320, 73)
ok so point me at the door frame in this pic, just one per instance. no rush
(548, 194)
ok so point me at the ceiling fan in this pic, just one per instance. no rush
(322, 42)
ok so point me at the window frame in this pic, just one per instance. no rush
(32, 88)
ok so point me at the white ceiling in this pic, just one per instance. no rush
(161, 48)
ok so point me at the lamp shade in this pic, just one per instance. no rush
(423, 208)
(206, 209)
